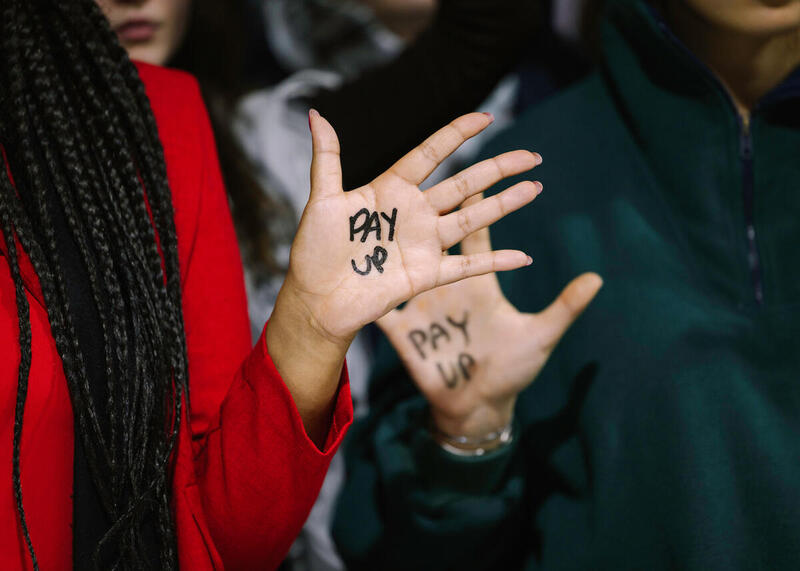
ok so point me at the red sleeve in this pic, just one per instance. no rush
(258, 472)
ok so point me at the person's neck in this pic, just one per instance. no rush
(748, 66)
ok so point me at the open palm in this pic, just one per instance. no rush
(361, 253)
(471, 352)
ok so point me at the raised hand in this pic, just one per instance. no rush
(359, 254)
(471, 352)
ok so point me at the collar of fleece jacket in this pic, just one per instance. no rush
(735, 187)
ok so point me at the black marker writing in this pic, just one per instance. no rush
(392, 220)
(450, 382)
(466, 362)
(371, 222)
(464, 365)
(377, 259)
(462, 325)
(418, 338)
(433, 338)
(365, 222)
(437, 333)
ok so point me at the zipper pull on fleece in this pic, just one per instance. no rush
(745, 140)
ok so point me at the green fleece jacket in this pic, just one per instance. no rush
(664, 432)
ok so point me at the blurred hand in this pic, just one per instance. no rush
(471, 352)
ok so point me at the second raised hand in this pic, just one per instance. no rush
(359, 254)
(471, 352)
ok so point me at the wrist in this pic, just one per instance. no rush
(309, 361)
(297, 324)
(462, 445)
(485, 428)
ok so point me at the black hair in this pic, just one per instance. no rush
(75, 121)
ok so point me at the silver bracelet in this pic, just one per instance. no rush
(477, 446)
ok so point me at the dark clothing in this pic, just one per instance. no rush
(664, 432)
(90, 520)
(447, 72)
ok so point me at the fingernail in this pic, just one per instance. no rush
(529, 262)
(489, 115)
(538, 158)
(312, 113)
(538, 186)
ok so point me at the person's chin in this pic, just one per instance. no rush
(769, 19)
(151, 53)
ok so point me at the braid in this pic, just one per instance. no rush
(82, 126)
(23, 316)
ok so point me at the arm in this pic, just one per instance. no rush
(448, 71)
(250, 443)
(287, 407)
(408, 505)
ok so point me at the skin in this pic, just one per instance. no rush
(407, 19)
(170, 16)
(509, 347)
(323, 302)
(751, 45)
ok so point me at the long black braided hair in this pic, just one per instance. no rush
(75, 120)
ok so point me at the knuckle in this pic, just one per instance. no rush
(500, 205)
(461, 184)
(457, 126)
(465, 221)
(498, 166)
(429, 151)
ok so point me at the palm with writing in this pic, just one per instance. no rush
(471, 352)
(359, 254)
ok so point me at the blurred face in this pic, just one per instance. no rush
(151, 30)
(750, 17)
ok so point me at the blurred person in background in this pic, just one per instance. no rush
(662, 431)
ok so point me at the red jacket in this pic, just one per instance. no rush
(246, 474)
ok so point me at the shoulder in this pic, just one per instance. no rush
(176, 102)
(164, 86)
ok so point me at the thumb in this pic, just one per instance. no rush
(389, 322)
(570, 303)
(326, 166)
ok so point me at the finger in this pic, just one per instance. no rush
(455, 226)
(423, 160)
(449, 193)
(326, 165)
(479, 240)
(573, 299)
(389, 322)
(454, 268)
